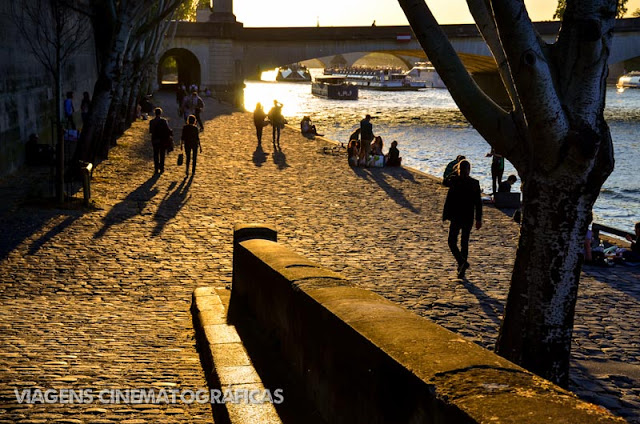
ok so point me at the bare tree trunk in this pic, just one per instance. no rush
(557, 138)
(112, 52)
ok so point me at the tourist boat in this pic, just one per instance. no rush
(630, 80)
(293, 73)
(425, 72)
(377, 79)
(334, 87)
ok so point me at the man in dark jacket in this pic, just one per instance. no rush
(462, 203)
(160, 137)
(366, 137)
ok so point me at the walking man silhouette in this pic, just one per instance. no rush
(462, 203)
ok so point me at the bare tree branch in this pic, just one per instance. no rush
(542, 108)
(489, 119)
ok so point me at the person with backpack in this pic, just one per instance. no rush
(195, 104)
(160, 137)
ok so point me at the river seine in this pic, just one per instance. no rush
(431, 131)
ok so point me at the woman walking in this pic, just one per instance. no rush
(258, 121)
(191, 139)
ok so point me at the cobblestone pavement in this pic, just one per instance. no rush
(101, 299)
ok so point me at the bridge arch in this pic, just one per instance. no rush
(187, 68)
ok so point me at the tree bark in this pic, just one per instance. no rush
(560, 144)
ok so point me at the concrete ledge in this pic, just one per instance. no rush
(225, 361)
(362, 358)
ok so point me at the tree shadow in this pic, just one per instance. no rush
(171, 204)
(379, 176)
(131, 206)
(259, 156)
(488, 304)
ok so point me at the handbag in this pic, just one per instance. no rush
(180, 159)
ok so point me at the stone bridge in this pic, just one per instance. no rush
(220, 53)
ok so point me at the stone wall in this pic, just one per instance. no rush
(362, 358)
(27, 91)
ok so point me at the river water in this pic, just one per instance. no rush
(431, 131)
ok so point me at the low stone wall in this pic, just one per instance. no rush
(362, 358)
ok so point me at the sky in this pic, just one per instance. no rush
(278, 13)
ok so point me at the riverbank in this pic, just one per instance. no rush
(113, 285)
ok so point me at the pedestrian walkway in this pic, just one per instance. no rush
(101, 299)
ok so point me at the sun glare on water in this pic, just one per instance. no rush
(287, 93)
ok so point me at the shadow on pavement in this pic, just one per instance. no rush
(587, 380)
(620, 277)
(488, 304)
(36, 245)
(279, 158)
(171, 204)
(131, 206)
(259, 156)
(379, 176)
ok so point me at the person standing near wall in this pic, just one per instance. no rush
(462, 203)
(69, 110)
(497, 169)
(85, 108)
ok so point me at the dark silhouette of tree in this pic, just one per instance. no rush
(555, 134)
(562, 5)
(127, 36)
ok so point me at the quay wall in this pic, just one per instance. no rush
(27, 91)
(362, 358)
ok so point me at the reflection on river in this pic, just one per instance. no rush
(431, 131)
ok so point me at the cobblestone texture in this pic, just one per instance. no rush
(101, 298)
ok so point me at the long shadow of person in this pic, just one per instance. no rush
(171, 204)
(259, 156)
(279, 158)
(380, 178)
(131, 206)
(491, 307)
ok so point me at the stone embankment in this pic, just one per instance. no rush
(101, 299)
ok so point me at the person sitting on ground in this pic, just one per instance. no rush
(505, 186)
(451, 170)
(376, 146)
(588, 239)
(353, 148)
(393, 157)
(307, 127)
(632, 254)
(376, 157)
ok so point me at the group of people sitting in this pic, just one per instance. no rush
(370, 154)
(608, 254)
